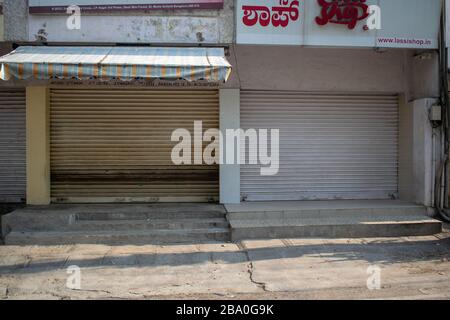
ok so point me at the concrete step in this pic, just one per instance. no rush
(149, 224)
(362, 226)
(128, 209)
(329, 219)
(106, 216)
(118, 237)
(326, 213)
(66, 217)
(116, 224)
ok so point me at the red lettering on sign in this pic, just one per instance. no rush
(254, 13)
(347, 12)
(278, 16)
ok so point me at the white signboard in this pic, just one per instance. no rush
(355, 23)
(409, 24)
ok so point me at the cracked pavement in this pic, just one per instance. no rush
(410, 268)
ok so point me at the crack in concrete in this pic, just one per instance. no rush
(95, 290)
(251, 269)
(261, 285)
(136, 293)
(61, 297)
(106, 254)
(53, 294)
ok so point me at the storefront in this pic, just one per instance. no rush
(344, 94)
(12, 145)
(114, 145)
(350, 100)
(103, 124)
(332, 146)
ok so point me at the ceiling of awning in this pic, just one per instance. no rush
(123, 63)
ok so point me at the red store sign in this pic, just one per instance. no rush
(346, 12)
(277, 15)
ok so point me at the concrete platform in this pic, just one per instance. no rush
(120, 224)
(116, 224)
(329, 219)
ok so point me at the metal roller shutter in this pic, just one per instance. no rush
(114, 145)
(12, 145)
(332, 146)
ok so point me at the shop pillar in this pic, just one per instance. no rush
(38, 145)
(230, 181)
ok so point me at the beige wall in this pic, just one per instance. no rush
(422, 76)
(38, 145)
(331, 69)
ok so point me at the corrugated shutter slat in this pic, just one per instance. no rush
(115, 145)
(12, 145)
(332, 146)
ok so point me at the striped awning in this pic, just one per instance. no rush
(124, 63)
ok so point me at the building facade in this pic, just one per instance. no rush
(350, 103)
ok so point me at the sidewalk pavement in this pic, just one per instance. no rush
(409, 268)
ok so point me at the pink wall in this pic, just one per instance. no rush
(331, 69)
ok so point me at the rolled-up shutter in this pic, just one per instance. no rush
(332, 146)
(12, 145)
(115, 145)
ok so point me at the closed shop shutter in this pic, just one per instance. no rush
(114, 145)
(12, 145)
(332, 146)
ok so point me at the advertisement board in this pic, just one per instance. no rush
(60, 6)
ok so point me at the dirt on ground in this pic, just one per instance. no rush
(380, 268)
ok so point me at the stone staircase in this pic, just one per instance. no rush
(329, 219)
(140, 224)
(116, 224)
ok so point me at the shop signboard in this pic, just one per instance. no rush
(348, 23)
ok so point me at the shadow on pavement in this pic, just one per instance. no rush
(380, 252)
